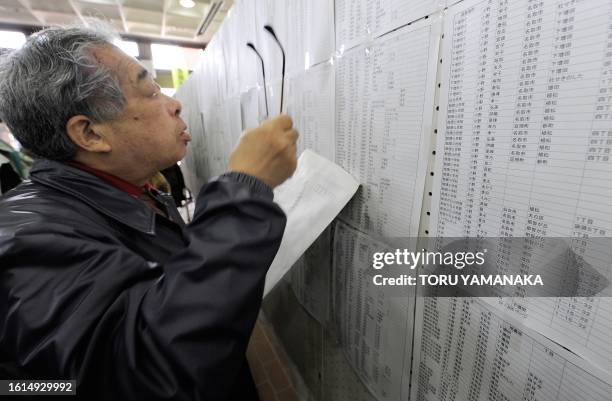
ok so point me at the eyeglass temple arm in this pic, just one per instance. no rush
(263, 72)
(271, 32)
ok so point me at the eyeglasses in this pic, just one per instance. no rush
(251, 46)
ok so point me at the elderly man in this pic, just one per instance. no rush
(100, 280)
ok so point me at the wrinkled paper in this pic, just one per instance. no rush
(311, 199)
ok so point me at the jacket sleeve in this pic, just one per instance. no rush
(127, 328)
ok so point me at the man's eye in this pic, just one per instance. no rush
(157, 90)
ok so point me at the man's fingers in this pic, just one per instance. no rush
(293, 135)
(283, 121)
(293, 152)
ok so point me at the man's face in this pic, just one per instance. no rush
(149, 134)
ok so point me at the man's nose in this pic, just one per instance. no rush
(175, 107)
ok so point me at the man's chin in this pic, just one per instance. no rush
(171, 163)
(182, 153)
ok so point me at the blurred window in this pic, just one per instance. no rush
(11, 39)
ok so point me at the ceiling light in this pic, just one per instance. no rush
(212, 12)
(187, 3)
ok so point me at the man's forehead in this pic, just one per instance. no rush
(128, 69)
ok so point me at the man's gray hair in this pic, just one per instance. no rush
(52, 78)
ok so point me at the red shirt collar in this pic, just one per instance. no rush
(115, 181)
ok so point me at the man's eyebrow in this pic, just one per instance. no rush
(142, 75)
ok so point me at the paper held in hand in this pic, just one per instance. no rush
(312, 198)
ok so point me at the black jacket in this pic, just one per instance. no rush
(95, 286)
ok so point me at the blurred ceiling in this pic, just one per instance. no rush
(155, 19)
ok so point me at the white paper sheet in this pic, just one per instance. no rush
(384, 107)
(358, 21)
(311, 278)
(312, 198)
(523, 148)
(375, 328)
(464, 350)
(320, 38)
(250, 109)
(310, 102)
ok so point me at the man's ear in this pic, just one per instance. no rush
(82, 132)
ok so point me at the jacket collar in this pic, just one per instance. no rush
(102, 196)
(115, 181)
